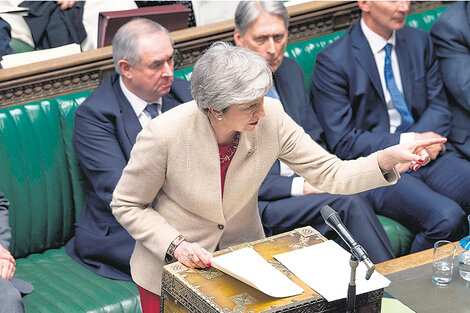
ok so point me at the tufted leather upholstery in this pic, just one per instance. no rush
(63, 285)
(34, 177)
(41, 178)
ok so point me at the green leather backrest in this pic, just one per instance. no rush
(34, 177)
(20, 46)
(184, 73)
(305, 53)
(424, 20)
(67, 105)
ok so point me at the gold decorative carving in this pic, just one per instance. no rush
(240, 246)
(281, 268)
(302, 243)
(241, 301)
(307, 231)
(207, 273)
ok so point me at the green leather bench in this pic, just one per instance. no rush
(41, 178)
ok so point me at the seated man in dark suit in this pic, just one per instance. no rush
(451, 37)
(379, 85)
(5, 38)
(105, 130)
(287, 201)
(11, 288)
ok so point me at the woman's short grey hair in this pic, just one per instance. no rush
(248, 11)
(227, 75)
(126, 40)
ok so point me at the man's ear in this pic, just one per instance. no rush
(364, 6)
(125, 68)
(238, 38)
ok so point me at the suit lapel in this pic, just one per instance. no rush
(131, 123)
(404, 63)
(286, 94)
(363, 56)
(169, 102)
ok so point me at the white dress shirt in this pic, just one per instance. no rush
(377, 45)
(139, 104)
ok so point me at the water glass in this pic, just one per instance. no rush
(443, 262)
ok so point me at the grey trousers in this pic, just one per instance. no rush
(10, 298)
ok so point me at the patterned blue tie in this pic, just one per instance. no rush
(397, 97)
(273, 93)
(152, 108)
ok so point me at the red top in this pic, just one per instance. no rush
(226, 154)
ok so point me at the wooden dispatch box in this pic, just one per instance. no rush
(210, 290)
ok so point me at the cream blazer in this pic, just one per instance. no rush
(171, 184)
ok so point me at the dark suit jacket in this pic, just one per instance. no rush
(451, 37)
(349, 99)
(105, 130)
(5, 38)
(289, 83)
(53, 27)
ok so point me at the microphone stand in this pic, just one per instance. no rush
(351, 298)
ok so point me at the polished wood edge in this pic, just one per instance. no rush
(407, 261)
(404, 262)
(85, 71)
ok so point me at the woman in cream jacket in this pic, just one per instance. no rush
(179, 198)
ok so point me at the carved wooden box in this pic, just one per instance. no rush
(209, 290)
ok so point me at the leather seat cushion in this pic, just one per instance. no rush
(63, 285)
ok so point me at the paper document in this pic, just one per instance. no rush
(8, 8)
(251, 268)
(23, 58)
(324, 267)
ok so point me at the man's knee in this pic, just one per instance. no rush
(452, 222)
(11, 301)
(353, 207)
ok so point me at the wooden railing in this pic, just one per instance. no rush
(86, 70)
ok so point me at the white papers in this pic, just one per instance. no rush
(16, 59)
(251, 268)
(324, 267)
(8, 8)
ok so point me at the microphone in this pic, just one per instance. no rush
(333, 220)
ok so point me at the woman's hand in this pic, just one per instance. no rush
(414, 153)
(66, 4)
(192, 255)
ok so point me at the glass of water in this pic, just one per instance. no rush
(443, 262)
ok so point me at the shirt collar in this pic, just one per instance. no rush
(376, 42)
(138, 104)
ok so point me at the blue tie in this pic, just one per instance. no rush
(152, 108)
(397, 97)
(273, 93)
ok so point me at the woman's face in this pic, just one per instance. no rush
(243, 117)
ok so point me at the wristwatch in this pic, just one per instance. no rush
(170, 253)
